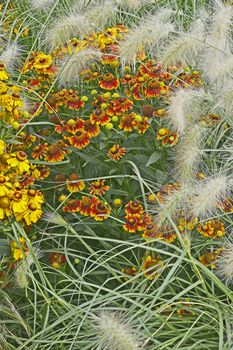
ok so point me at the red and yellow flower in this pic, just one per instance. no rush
(116, 152)
(98, 188)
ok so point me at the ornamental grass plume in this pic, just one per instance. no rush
(131, 5)
(41, 4)
(114, 333)
(10, 57)
(22, 272)
(146, 35)
(74, 64)
(79, 22)
(218, 48)
(208, 195)
(186, 48)
(185, 107)
(54, 218)
(224, 264)
(188, 154)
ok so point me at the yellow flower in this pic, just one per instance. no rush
(42, 61)
(2, 146)
(5, 186)
(19, 201)
(151, 265)
(19, 251)
(3, 74)
(4, 207)
(19, 160)
(31, 215)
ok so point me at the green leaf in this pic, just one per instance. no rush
(153, 158)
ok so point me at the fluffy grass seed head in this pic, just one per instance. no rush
(54, 218)
(100, 13)
(10, 57)
(186, 47)
(146, 35)
(66, 27)
(41, 4)
(225, 264)
(207, 195)
(22, 273)
(217, 48)
(188, 154)
(74, 64)
(114, 333)
(184, 107)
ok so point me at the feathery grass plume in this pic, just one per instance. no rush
(54, 218)
(66, 27)
(115, 333)
(22, 272)
(146, 35)
(218, 40)
(73, 65)
(132, 4)
(206, 196)
(225, 96)
(224, 263)
(184, 105)
(188, 153)
(171, 205)
(100, 13)
(10, 57)
(41, 4)
(186, 47)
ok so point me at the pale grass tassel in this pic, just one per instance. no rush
(146, 35)
(114, 333)
(207, 196)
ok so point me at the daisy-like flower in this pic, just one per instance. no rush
(39, 151)
(167, 137)
(19, 201)
(55, 154)
(19, 251)
(74, 125)
(100, 211)
(109, 82)
(80, 140)
(32, 214)
(209, 259)
(116, 152)
(150, 266)
(133, 224)
(57, 260)
(119, 106)
(19, 160)
(73, 102)
(127, 122)
(73, 184)
(5, 185)
(92, 129)
(152, 231)
(2, 143)
(42, 61)
(3, 74)
(99, 117)
(211, 229)
(86, 203)
(72, 206)
(130, 271)
(4, 207)
(134, 208)
(98, 188)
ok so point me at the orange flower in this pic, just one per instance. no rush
(133, 224)
(128, 122)
(80, 140)
(98, 188)
(72, 206)
(119, 106)
(209, 259)
(86, 203)
(130, 271)
(109, 82)
(73, 184)
(39, 151)
(55, 154)
(99, 117)
(150, 266)
(74, 125)
(57, 260)
(100, 211)
(116, 153)
(152, 231)
(134, 208)
(167, 137)
(212, 229)
(143, 125)
(74, 102)
(92, 129)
